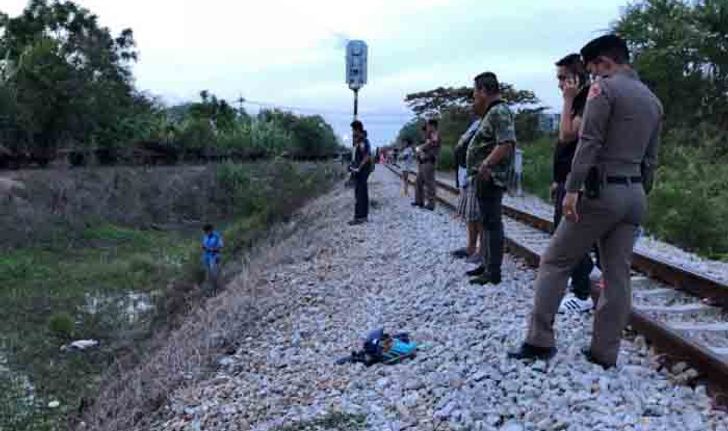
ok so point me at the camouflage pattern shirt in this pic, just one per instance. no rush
(496, 128)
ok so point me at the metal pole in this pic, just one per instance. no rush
(356, 104)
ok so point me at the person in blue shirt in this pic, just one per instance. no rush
(212, 245)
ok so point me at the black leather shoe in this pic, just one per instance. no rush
(429, 207)
(476, 272)
(589, 357)
(486, 279)
(528, 351)
(415, 204)
(460, 253)
(357, 221)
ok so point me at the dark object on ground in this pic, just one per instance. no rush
(382, 348)
(486, 279)
(589, 357)
(460, 253)
(476, 272)
(528, 351)
(357, 221)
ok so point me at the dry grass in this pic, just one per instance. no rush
(134, 397)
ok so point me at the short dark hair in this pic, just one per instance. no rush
(488, 82)
(433, 122)
(207, 228)
(357, 125)
(573, 64)
(609, 45)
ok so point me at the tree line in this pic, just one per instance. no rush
(66, 88)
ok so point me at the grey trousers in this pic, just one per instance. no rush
(611, 221)
(425, 184)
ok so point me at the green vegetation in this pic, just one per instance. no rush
(118, 284)
(680, 52)
(537, 166)
(330, 422)
(66, 88)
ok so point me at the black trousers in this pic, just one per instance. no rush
(361, 193)
(580, 283)
(490, 200)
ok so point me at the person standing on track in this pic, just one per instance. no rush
(605, 201)
(574, 85)
(408, 164)
(468, 209)
(489, 161)
(360, 170)
(427, 157)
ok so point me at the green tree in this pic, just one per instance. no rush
(433, 102)
(72, 82)
(680, 49)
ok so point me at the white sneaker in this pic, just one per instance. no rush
(575, 305)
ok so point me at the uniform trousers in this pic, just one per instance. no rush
(580, 282)
(611, 220)
(361, 194)
(425, 184)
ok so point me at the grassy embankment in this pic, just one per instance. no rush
(118, 283)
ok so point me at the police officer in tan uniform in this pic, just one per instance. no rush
(605, 201)
(427, 158)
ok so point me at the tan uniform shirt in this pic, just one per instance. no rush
(431, 149)
(620, 129)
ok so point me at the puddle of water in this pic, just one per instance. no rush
(132, 305)
(17, 397)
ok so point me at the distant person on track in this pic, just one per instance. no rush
(574, 85)
(605, 201)
(408, 164)
(489, 161)
(427, 155)
(212, 245)
(468, 208)
(360, 170)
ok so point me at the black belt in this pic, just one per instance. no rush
(623, 180)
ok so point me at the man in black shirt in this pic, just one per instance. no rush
(574, 85)
(360, 169)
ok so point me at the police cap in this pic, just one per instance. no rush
(607, 44)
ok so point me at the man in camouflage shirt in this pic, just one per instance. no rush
(489, 163)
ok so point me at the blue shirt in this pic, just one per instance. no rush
(212, 243)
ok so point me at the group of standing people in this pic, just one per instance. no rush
(604, 163)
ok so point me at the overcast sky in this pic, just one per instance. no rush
(291, 53)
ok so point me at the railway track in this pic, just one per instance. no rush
(682, 313)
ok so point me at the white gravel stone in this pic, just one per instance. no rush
(338, 282)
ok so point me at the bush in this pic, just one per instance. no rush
(689, 203)
(61, 324)
(537, 166)
(446, 161)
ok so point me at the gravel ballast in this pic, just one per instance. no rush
(336, 282)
